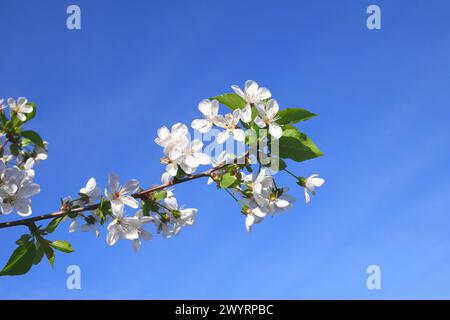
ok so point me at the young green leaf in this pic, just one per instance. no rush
(227, 180)
(14, 148)
(23, 239)
(297, 146)
(293, 115)
(34, 137)
(53, 224)
(20, 261)
(63, 246)
(49, 253)
(159, 195)
(231, 100)
(39, 253)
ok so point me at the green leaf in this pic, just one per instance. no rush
(297, 146)
(20, 261)
(14, 148)
(63, 246)
(49, 253)
(23, 239)
(227, 180)
(53, 224)
(294, 115)
(39, 253)
(34, 137)
(231, 100)
(159, 195)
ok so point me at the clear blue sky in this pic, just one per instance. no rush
(383, 100)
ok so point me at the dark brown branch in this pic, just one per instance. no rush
(139, 195)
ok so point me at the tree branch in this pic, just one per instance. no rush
(139, 195)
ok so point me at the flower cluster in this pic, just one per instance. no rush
(256, 113)
(20, 150)
(255, 121)
(160, 209)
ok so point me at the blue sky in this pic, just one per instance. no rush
(383, 102)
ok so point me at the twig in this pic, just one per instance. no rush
(139, 195)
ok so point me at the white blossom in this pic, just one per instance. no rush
(130, 228)
(91, 191)
(16, 189)
(310, 185)
(266, 198)
(251, 94)
(120, 196)
(176, 137)
(189, 157)
(209, 109)
(230, 124)
(19, 108)
(173, 218)
(267, 118)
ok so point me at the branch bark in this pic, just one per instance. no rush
(138, 195)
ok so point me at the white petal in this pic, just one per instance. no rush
(166, 178)
(246, 113)
(236, 116)
(136, 244)
(91, 184)
(26, 109)
(113, 182)
(222, 136)
(131, 234)
(112, 237)
(214, 109)
(238, 91)
(172, 169)
(202, 158)
(239, 135)
(131, 186)
(249, 220)
(272, 108)
(29, 190)
(201, 125)
(307, 197)
(280, 203)
(21, 116)
(275, 130)
(205, 107)
(259, 122)
(251, 87)
(171, 203)
(117, 207)
(264, 93)
(21, 101)
(220, 121)
(130, 201)
(259, 212)
(196, 145)
(73, 225)
(318, 182)
(192, 162)
(179, 130)
(23, 207)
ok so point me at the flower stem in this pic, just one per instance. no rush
(290, 173)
